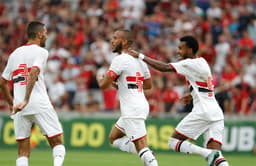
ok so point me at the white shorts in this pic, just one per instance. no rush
(47, 121)
(135, 129)
(192, 127)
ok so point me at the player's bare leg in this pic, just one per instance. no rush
(58, 149)
(23, 152)
(144, 152)
(216, 156)
(118, 139)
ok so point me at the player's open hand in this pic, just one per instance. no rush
(186, 99)
(19, 107)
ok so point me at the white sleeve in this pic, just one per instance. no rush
(40, 60)
(7, 73)
(147, 74)
(117, 65)
(183, 67)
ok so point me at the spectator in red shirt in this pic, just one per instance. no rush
(111, 8)
(154, 96)
(245, 44)
(240, 99)
(109, 95)
(207, 50)
(110, 99)
(228, 74)
(170, 98)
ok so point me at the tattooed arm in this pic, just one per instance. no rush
(33, 75)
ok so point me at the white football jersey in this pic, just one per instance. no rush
(198, 74)
(18, 66)
(130, 73)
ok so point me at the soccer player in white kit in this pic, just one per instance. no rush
(132, 76)
(25, 67)
(206, 116)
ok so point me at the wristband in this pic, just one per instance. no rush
(141, 56)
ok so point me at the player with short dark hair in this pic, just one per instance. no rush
(132, 76)
(25, 67)
(206, 116)
(33, 28)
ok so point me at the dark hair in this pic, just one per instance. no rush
(191, 42)
(33, 28)
(127, 35)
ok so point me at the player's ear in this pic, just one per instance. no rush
(39, 35)
(125, 42)
(190, 51)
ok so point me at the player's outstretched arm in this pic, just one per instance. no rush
(6, 92)
(161, 66)
(156, 64)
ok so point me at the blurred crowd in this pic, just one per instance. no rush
(79, 32)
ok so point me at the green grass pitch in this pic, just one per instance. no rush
(116, 158)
